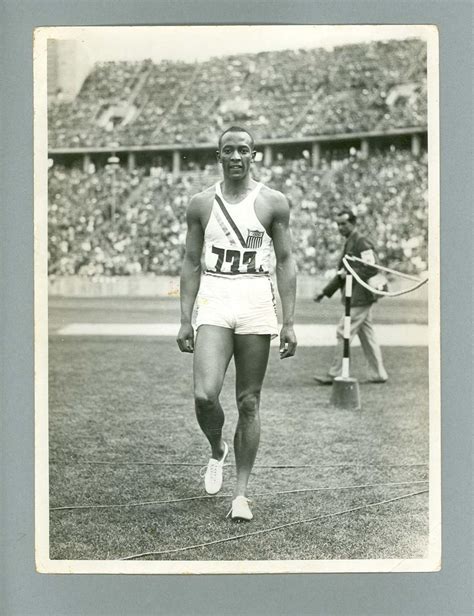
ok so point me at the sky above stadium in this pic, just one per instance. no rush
(191, 43)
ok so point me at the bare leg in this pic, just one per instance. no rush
(212, 352)
(251, 358)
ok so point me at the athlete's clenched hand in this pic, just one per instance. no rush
(185, 338)
(287, 342)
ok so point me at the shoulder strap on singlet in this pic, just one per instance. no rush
(254, 190)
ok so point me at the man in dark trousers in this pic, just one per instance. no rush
(362, 300)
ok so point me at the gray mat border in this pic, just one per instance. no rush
(25, 592)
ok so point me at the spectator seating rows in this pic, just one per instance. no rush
(115, 222)
(279, 94)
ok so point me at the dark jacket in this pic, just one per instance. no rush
(355, 245)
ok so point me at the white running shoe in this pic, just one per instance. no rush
(240, 509)
(214, 472)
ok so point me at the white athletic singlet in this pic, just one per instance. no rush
(236, 242)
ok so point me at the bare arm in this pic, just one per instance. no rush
(285, 273)
(190, 274)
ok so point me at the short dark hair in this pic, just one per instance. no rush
(351, 216)
(236, 129)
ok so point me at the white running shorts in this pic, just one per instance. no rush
(245, 304)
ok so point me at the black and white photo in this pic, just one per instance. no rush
(237, 299)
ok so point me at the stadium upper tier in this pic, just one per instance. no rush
(115, 222)
(282, 94)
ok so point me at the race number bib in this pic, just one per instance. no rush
(235, 261)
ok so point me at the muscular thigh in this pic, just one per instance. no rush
(213, 349)
(251, 357)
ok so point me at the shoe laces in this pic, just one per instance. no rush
(212, 466)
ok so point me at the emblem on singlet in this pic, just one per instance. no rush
(254, 239)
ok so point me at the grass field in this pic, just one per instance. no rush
(123, 431)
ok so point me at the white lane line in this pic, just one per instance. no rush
(402, 334)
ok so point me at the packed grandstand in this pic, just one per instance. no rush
(112, 220)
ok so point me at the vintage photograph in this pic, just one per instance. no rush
(237, 299)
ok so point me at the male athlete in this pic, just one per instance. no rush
(362, 300)
(236, 222)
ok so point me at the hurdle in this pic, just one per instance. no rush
(345, 389)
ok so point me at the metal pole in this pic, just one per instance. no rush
(345, 389)
(114, 195)
(347, 328)
(113, 163)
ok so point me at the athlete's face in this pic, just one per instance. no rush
(344, 225)
(236, 155)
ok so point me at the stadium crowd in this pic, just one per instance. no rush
(114, 222)
(373, 86)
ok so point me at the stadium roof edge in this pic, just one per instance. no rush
(263, 142)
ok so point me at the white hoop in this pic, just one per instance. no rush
(419, 282)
